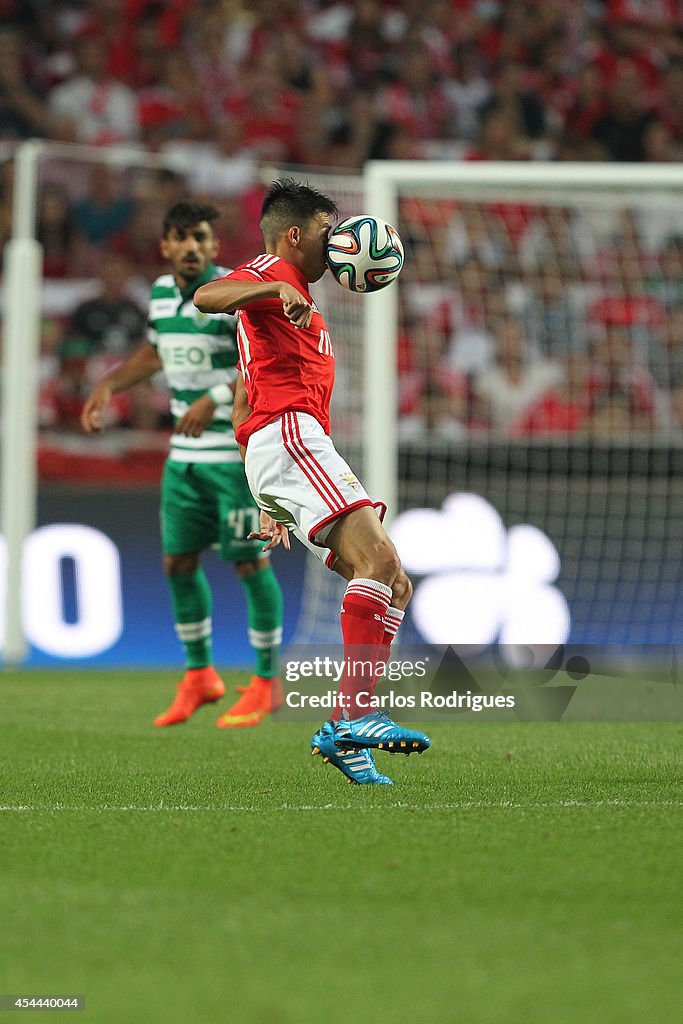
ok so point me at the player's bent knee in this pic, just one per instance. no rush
(245, 569)
(402, 590)
(384, 564)
(181, 565)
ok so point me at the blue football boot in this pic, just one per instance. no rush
(379, 732)
(357, 765)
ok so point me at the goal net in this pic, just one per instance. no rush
(533, 355)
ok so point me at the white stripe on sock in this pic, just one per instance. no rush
(193, 630)
(262, 639)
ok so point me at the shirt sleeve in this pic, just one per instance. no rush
(255, 275)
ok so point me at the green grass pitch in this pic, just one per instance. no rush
(515, 874)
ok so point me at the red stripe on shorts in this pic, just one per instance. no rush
(309, 471)
(314, 462)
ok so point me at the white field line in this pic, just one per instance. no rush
(465, 805)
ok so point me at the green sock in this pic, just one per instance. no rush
(264, 615)
(191, 597)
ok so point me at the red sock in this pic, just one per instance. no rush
(363, 615)
(392, 620)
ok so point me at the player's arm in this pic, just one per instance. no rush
(241, 410)
(227, 295)
(199, 414)
(142, 365)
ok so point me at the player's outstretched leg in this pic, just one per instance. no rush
(378, 732)
(198, 686)
(357, 765)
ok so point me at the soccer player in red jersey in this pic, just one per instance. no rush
(282, 419)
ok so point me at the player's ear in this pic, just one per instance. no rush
(294, 235)
(163, 248)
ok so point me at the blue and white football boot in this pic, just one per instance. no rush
(378, 732)
(357, 765)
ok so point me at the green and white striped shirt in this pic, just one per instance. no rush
(197, 350)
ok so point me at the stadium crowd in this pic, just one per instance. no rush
(523, 320)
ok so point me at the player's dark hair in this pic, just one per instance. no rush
(289, 202)
(186, 213)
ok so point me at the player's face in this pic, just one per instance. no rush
(190, 251)
(314, 245)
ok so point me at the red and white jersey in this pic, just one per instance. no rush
(285, 368)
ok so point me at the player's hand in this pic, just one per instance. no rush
(272, 532)
(196, 419)
(296, 308)
(92, 412)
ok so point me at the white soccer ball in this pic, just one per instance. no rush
(364, 253)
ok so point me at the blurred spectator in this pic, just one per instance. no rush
(222, 167)
(557, 235)
(104, 210)
(22, 109)
(468, 90)
(667, 364)
(625, 302)
(565, 407)
(416, 99)
(208, 39)
(588, 106)
(499, 138)
(139, 241)
(623, 393)
(665, 277)
(51, 335)
(238, 231)
(475, 231)
(164, 188)
(56, 232)
(99, 333)
(670, 101)
(520, 105)
(366, 44)
(621, 129)
(93, 106)
(266, 113)
(177, 105)
(553, 316)
(658, 143)
(112, 323)
(463, 320)
(354, 135)
(515, 380)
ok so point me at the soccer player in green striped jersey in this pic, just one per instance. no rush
(205, 499)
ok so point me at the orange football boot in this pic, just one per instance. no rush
(258, 700)
(198, 686)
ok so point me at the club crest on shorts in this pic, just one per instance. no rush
(351, 480)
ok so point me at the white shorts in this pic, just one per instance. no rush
(299, 478)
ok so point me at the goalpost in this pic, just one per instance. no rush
(19, 426)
